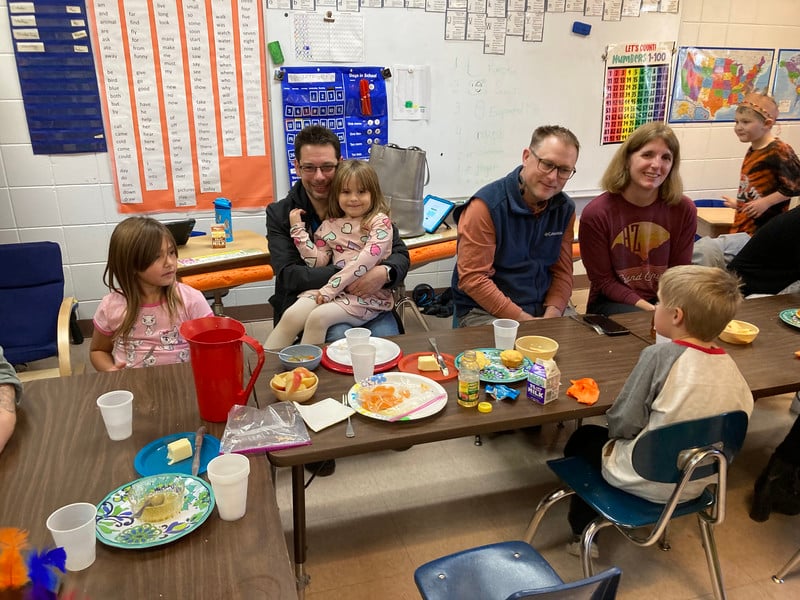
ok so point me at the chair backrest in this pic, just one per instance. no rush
(31, 292)
(602, 586)
(659, 454)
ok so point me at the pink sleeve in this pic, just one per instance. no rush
(314, 252)
(109, 314)
(194, 302)
(376, 248)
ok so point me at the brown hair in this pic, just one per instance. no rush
(708, 296)
(617, 176)
(557, 131)
(316, 135)
(135, 245)
(366, 177)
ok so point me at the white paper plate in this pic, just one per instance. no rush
(423, 392)
(385, 351)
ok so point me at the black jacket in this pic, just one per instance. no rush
(292, 275)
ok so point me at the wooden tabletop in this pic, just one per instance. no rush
(60, 453)
(247, 249)
(768, 364)
(582, 353)
(713, 221)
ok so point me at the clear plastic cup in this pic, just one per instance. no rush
(228, 474)
(505, 333)
(72, 527)
(357, 335)
(117, 410)
(363, 359)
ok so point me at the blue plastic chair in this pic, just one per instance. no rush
(676, 454)
(507, 571)
(34, 315)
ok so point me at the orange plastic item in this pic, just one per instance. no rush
(425, 254)
(585, 391)
(797, 354)
(228, 278)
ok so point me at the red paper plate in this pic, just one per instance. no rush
(332, 365)
(409, 365)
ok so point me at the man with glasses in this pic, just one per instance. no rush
(317, 154)
(515, 237)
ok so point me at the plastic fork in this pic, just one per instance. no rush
(349, 431)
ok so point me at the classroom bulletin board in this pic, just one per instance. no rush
(484, 106)
(184, 89)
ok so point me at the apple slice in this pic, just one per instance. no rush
(296, 380)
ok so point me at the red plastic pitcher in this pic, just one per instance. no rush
(215, 346)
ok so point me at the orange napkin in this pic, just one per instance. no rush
(584, 390)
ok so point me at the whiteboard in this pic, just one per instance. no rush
(485, 107)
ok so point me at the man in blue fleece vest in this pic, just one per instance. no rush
(515, 237)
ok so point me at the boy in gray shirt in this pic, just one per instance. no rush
(689, 378)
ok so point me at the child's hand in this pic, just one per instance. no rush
(755, 208)
(731, 202)
(321, 299)
(296, 216)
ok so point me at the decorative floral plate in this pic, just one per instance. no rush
(496, 371)
(789, 316)
(115, 525)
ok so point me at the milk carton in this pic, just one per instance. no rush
(544, 379)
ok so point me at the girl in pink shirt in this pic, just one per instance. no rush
(137, 324)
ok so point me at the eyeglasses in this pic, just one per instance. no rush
(312, 169)
(547, 167)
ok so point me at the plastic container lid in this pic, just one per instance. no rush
(485, 407)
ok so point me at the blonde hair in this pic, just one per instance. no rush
(617, 176)
(364, 175)
(708, 296)
(135, 245)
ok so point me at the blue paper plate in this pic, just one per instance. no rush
(152, 459)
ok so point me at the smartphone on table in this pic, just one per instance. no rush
(608, 326)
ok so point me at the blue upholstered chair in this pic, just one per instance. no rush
(673, 454)
(34, 314)
(506, 571)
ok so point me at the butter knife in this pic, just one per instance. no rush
(198, 446)
(439, 358)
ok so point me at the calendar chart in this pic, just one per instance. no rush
(636, 88)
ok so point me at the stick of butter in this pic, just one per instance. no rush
(178, 450)
(427, 362)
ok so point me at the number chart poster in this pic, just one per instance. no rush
(636, 88)
(350, 101)
(185, 98)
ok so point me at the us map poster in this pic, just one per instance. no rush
(711, 82)
(636, 87)
(184, 91)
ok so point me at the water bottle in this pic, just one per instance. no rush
(469, 383)
(222, 216)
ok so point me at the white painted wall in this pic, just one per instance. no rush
(69, 199)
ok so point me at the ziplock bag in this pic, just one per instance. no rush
(250, 430)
